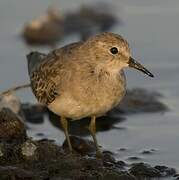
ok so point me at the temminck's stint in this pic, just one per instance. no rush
(82, 79)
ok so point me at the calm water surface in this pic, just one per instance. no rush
(152, 29)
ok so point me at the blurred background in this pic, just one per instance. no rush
(151, 28)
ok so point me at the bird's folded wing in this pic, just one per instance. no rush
(47, 72)
(46, 80)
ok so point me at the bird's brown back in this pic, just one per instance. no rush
(48, 72)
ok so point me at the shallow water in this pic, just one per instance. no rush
(151, 27)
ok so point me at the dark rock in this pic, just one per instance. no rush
(148, 151)
(122, 149)
(40, 134)
(76, 24)
(17, 173)
(11, 126)
(82, 146)
(140, 100)
(108, 157)
(45, 160)
(134, 158)
(118, 176)
(34, 113)
(144, 170)
(176, 176)
(40, 160)
(45, 30)
(127, 177)
(166, 171)
(91, 163)
(9, 152)
(89, 20)
(121, 164)
(47, 150)
(100, 17)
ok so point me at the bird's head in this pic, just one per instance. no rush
(111, 52)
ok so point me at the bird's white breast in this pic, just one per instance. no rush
(83, 100)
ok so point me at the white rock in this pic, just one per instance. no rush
(28, 149)
(10, 101)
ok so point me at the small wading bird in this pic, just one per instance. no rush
(82, 79)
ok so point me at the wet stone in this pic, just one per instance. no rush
(91, 163)
(108, 157)
(140, 100)
(117, 176)
(122, 149)
(82, 146)
(134, 158)
(45, 30)
(40, 134)
(176, 176)
(90, 19)
(47, 150)
(46, 160)
(34, 113)
(10, 152)
(148, 151)
(11, 126)
(127, 177)
(121, 164)
(144, 170)
(16, 173)
(166, 171)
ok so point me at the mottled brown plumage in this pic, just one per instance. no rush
(82, 79)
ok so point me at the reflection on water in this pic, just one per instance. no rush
(151, 28)
(80, 127)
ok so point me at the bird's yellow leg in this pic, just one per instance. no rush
(92, 129)
(64, 124)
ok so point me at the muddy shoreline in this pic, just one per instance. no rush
(21, 157)
(44, 160)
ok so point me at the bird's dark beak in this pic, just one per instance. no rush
(134, 64)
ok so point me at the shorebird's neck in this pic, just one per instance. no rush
(108, 72)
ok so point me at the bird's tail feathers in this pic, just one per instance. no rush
(33, 59)
(16, 88)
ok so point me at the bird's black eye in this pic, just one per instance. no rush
(114, 50)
